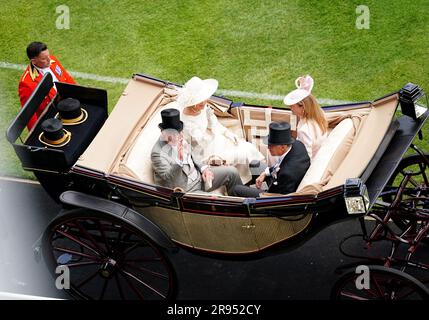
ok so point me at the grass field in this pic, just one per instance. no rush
(253, 46)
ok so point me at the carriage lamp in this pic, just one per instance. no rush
(356, 196)
(412, 99)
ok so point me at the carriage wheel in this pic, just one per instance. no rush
(384, 284)
(418, 186)
(107, 258)
(414, 164)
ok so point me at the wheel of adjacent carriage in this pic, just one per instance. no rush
(382, 284)
(418, 186)
(106, 258)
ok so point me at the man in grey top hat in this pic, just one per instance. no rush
(286, 174)
(175, 167)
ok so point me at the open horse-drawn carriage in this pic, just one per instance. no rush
(116, 225)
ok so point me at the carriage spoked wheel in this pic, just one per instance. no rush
(415, 196)
(107, 258)
(383, 284)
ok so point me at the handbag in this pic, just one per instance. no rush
(216, 161)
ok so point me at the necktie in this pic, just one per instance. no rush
(275, 169)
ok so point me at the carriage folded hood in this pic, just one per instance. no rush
(133, 107)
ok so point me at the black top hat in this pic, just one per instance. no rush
(70, 111)
(53, 132)
(279, 134)
(171, 120)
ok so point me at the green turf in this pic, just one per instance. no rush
(255, 46)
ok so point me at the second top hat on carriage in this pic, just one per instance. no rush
(70, 111)
(171, 120)
(279, 134)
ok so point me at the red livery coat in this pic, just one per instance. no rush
(31, 78)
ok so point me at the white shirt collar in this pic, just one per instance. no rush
(283, 156)
(42, 70)
(47, 69)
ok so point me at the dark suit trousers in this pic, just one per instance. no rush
(245, 191)
(227, 176)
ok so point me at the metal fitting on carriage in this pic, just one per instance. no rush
(356, 196)
(413, 100)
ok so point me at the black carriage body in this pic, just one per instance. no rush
(50, 164)
(36, 156)
(56, 169)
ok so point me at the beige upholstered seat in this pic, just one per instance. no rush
(331, 154)
(123, 145)
(137, 162)
(138, 157)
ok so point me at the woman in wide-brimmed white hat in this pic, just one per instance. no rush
(205, 133)
(312, 128)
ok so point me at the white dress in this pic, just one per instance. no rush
(208, 137)
(310, 134)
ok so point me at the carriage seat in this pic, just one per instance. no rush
(330, 155)
(137, 162)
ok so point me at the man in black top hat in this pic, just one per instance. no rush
(286, 174)
(175, 167)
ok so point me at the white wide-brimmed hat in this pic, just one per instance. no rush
(304, 85)
(195, 91)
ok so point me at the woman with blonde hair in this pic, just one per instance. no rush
(312, 128)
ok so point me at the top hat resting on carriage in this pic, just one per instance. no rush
(171, 120)
(53, 134)
(279, 134)
(70, 112)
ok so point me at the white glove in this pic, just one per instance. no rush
(211, 118)
(231, 136)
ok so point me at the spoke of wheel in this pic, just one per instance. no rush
(377, 286)
(370, 292)
(131, 285)
(153, 273)
(129, 249)
(143, 283)
(396, 286)
(77, 253)
(118, 284)
(352, 296)
(89, 236)
(103, 290)
(103, 235)
(119, 237)
(423, 169)
(80, 264)
(154, 259)
(78, 241)
(413, 182)
(405, 294)
(124, 241)
(87, 279)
